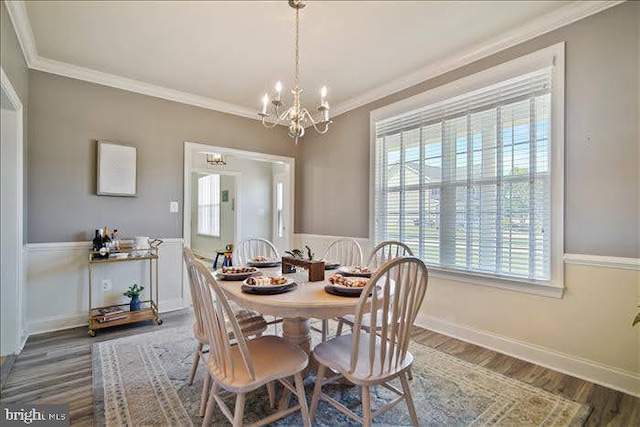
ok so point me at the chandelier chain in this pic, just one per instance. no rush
(297, 47)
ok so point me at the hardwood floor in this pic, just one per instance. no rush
(56, 368)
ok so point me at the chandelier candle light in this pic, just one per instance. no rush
(296, 115)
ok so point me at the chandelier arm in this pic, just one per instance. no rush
(326, 127)
(306, 114)
(280, 117)
(272, 125)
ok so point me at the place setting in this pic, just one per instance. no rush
(355, 271)
(267, 285)
(340, 285)
(261, 261)
(236, 273)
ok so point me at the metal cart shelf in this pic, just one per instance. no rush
(121, 316)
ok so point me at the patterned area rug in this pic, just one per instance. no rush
(141, 380)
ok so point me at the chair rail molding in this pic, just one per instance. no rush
(603, 261)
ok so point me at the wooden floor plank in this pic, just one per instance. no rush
(56, 368)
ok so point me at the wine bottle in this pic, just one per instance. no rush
(97, 241)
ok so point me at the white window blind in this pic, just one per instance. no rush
(465, 182)
(209, 205)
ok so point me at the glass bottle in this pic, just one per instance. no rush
(115, 242)
(97, 241)
(106, 240)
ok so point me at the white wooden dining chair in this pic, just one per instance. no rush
(383, 252)
(252, 324)
(247, 249)
(244, 366)
(347, 252)
(366, 359)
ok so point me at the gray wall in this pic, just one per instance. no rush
(14, 65)
(67, 116)
(11, 57)
(601, 175)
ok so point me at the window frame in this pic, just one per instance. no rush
(551, 56)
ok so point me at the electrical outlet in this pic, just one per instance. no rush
(106, 285)
(173, 207)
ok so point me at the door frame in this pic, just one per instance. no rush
(21, 332)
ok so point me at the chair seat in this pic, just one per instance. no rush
(251, 324)
(272, 357)
(336, 354)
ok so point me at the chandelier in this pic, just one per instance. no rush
(216, 159)
(296, 116)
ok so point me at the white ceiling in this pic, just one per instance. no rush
(232, 51)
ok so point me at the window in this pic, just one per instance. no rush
(209, 205)
(280, 208)
(466, 180)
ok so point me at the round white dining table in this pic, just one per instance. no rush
(308, 300)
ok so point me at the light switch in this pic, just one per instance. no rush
(173, 207)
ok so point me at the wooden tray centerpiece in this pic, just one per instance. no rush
(314, 267)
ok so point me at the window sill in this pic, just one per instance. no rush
(208, 235)
(525, 286)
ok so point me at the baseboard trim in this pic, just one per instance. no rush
(608, 376)
(60, 323)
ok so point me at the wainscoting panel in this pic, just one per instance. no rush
(57, 283)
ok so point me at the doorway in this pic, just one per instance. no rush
(12, 322)
(255, 194)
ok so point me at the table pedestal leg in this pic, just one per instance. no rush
(296, 331)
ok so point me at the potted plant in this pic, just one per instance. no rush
(134, 293)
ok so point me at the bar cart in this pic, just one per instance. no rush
(117, 314)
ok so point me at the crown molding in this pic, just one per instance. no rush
(559, 18)
(20, 20)
(137, 86)
(564, 16)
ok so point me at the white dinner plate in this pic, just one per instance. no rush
(269, 289)
(264, 264)
(231, 275)
(354, 271)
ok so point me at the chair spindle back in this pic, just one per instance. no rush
(249, 248)
(397, 291)
(386, 251)
(217, 318)
(344, 251)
